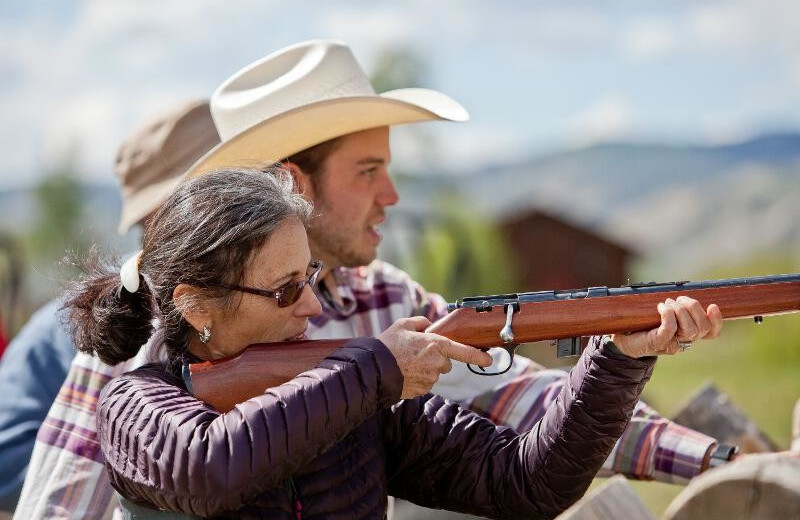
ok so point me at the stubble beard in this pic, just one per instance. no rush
(338, 243)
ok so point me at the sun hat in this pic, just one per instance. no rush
(151, 163)
(304, 95)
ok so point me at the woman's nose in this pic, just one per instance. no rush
(308, 305)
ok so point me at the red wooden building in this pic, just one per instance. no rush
(551, 253)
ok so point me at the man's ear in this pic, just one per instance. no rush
(302, 182)
(192, 305)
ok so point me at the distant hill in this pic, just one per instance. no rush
(621, 173)
(682, 208)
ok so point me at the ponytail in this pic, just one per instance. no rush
(106, 319)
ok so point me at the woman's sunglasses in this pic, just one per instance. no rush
(288, 293)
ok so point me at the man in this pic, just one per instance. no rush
(311, 107)
(149, 165)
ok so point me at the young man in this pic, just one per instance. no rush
(311, 107)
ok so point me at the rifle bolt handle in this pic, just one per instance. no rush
(507, 333)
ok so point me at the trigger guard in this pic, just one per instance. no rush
(508, 348)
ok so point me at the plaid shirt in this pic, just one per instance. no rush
(67, 479)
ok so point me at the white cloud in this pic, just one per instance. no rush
(608, 118)
(747, 25)
(380, 27)
(560, 29)
(95, 74)
(453, 147)
(794, 72)
(646, 40)
(724, 26)
(88, 80)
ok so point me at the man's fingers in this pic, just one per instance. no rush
(466, 354)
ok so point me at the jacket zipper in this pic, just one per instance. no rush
(294, 498)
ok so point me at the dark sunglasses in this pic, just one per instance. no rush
(288, 293)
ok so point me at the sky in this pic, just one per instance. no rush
(79, 76)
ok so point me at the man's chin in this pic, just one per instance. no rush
(359, 258)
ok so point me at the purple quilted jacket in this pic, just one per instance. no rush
(335, 442)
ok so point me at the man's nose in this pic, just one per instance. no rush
(387, 196)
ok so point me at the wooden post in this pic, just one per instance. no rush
(614, 500)
(713, 412)
(756, 487)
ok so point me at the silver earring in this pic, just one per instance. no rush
(205, 334)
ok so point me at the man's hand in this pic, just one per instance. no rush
(682, 321)
(424, 356)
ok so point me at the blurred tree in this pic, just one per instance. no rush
(403, 67)
(11, 271)
(460, 254)
(60, 201)
(398, 67)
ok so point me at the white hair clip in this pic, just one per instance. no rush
(129, 273)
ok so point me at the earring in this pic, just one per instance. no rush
(205, 334)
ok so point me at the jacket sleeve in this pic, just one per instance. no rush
(442, 456)
(167, 448)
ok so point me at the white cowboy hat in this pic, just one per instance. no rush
(304, 95)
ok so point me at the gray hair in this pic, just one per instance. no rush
(204, 235)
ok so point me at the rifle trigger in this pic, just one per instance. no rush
(507, 333)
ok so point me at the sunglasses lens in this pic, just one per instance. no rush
(290, 293)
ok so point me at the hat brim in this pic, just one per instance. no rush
(281, 136)
(138, 206)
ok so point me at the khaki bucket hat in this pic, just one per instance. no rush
(151, 163)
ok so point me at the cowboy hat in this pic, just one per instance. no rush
(151, 162)
(304, 95)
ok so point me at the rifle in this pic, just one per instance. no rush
(507, 320)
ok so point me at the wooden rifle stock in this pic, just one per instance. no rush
(537, 316)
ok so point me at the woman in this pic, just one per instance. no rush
(225, 263)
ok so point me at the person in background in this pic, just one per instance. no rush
(3, 338)
(148, 167)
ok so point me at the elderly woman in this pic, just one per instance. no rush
(335, 441)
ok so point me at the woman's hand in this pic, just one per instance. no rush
(424, 356)
(682, 321)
